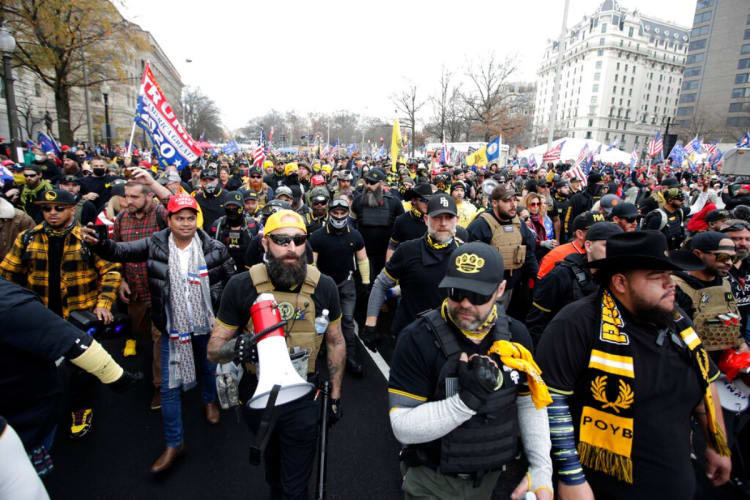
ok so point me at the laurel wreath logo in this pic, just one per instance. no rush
(624, 399)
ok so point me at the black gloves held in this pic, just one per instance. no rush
(369, 336)
(245, 349)
(126, 381)
(477, 380)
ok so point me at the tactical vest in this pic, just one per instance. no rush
(298, 309)
(79, 210)
(670, 226)
(708, 304)
(508, 240)
(583, 284)
(377, 216)
(488, 440)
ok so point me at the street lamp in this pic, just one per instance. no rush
(7, 46)
(105, 93)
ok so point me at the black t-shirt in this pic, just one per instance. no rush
(666, 387)
(417, 359)
(740, 280)
(408, 227)
(418, 268)
(99, 185)
(336, 251)
(236, 240)
(55, 249)
(239, 295)
(212, 207)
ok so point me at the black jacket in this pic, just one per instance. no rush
(155, 252)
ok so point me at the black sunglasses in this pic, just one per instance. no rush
(319, 202)
(458, 295)
(256, 176)
(630, 219)
(56, 208)
(284, 239)
(369, 182)
(30, 176)
(424, 200)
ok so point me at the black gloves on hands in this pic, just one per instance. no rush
(477, 379)
(335, 413)
(126, 381)
(245, 349)
(369, 336)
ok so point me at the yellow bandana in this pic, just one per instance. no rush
(481, 331)
(514, 355)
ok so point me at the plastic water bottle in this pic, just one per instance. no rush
(321, 322)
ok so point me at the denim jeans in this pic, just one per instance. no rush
(171, 400)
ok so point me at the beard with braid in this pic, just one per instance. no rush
(372, 199)
(285, 275)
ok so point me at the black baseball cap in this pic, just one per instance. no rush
(70, 178)
(602, 230)
(249, 195)
(717, 215)
(441, 203)
(421, 190)
(55, 197)
(375, 175)
(585, 220)
(625, 210)
(710, 241)
(234, 198)
(475, 266)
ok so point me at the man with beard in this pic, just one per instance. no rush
(52, 260)
(186, 272)
(33, 189)
(560, 203)
(211, 198)
(303, 294)
(98, 184)
(70, 165)
(85, 211)
(501, 228)
(738, 231)
(417, 266)
(627, 371)
(316, 217)
(344, 185)
(457, 393)
(466, 210)
(569, 280)
(410, 225)
(234, 230)
(275, 178)
(374, 213)
(669, 218)
(336, 248)
(584, 200)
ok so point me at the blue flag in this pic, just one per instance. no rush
(677, 154)
(231, 148)
(493, 149)
(47, 144)
(744, 141)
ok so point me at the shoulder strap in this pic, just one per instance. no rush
(259, 276)
(311, 280)
(695, 295)
(444, 338)
(490, 220)
(577, 271)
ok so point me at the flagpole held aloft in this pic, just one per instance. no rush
(130, 142)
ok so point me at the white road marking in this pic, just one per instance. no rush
(375, 357)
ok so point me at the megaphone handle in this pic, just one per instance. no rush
(265, 427)
(266, 331)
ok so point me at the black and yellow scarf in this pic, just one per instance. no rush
(606, 431)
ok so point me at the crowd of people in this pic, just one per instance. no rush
(590, 320)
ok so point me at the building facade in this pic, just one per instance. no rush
(35, 101)
(715, 97)
(620, 78)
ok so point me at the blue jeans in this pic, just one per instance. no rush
(171, 400)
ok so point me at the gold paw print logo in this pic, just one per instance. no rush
(50, 196)
(624, 397)
(469, 263)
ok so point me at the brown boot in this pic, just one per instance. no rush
(212, 413)
(156, 400)
(165, 461)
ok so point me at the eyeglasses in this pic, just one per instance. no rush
(256, 176)
(424, 200)
(319, 202)
(370, 183)
(56, 208)
(630, 219)
(284, 239)
(30, 176)
(535, 204)
(722, 257)
(458, 295)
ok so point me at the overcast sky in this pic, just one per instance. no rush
(328, 55)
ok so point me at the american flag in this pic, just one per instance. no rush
(694, 146)
(259, 155)
(580, 168)
(553, 154)
(656, 146)
(634, 159)
(710, 148)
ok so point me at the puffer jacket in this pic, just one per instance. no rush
(155, 252)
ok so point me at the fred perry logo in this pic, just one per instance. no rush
(469, 263)
(50, 196)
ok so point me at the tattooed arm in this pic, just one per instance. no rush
(221, 344)
(336, 357)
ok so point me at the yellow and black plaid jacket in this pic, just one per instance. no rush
(87, 281)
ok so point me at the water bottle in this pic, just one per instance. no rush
(321, 322)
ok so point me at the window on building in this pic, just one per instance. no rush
(745, 49)
(742, 78)
(601, 41)
(37, 90)
(737, 107)
(618, 66)
(591, 123)
(704, 4)
(694, 71)
(617, 77)
(604, 27)
(598, 65)
(630, 32)
(600, 52)
(738, 121)
(702, 18)
(595, 88)
(614, 89)
(588, 135)
(740, 93)
(695, 58)
(700, 31)
(747, 34)
(597, 76)
(594, 99)
(697, 44)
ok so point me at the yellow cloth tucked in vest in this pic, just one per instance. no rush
(516, 356)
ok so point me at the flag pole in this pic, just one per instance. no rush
(130, 142)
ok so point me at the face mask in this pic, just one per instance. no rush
(233, 213)
(100, 171)
(338, 222)
(211, 188)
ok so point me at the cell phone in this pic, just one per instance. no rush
(102, 231)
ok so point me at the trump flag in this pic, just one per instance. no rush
(172, 142)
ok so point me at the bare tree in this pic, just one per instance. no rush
(486, 102)
(201, 115)
(706, 125)
(409, 105)
(26, 119)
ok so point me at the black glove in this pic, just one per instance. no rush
(369, 336)
(245, 349)
(126, 381)
(477, 380)
(334, 411)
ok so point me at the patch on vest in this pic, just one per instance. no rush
(705, 298)
(508, 229)
(288, 312)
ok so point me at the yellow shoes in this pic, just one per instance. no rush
(129, 348)
(81, 424)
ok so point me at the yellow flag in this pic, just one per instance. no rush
(478, 157)
(395, 145)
